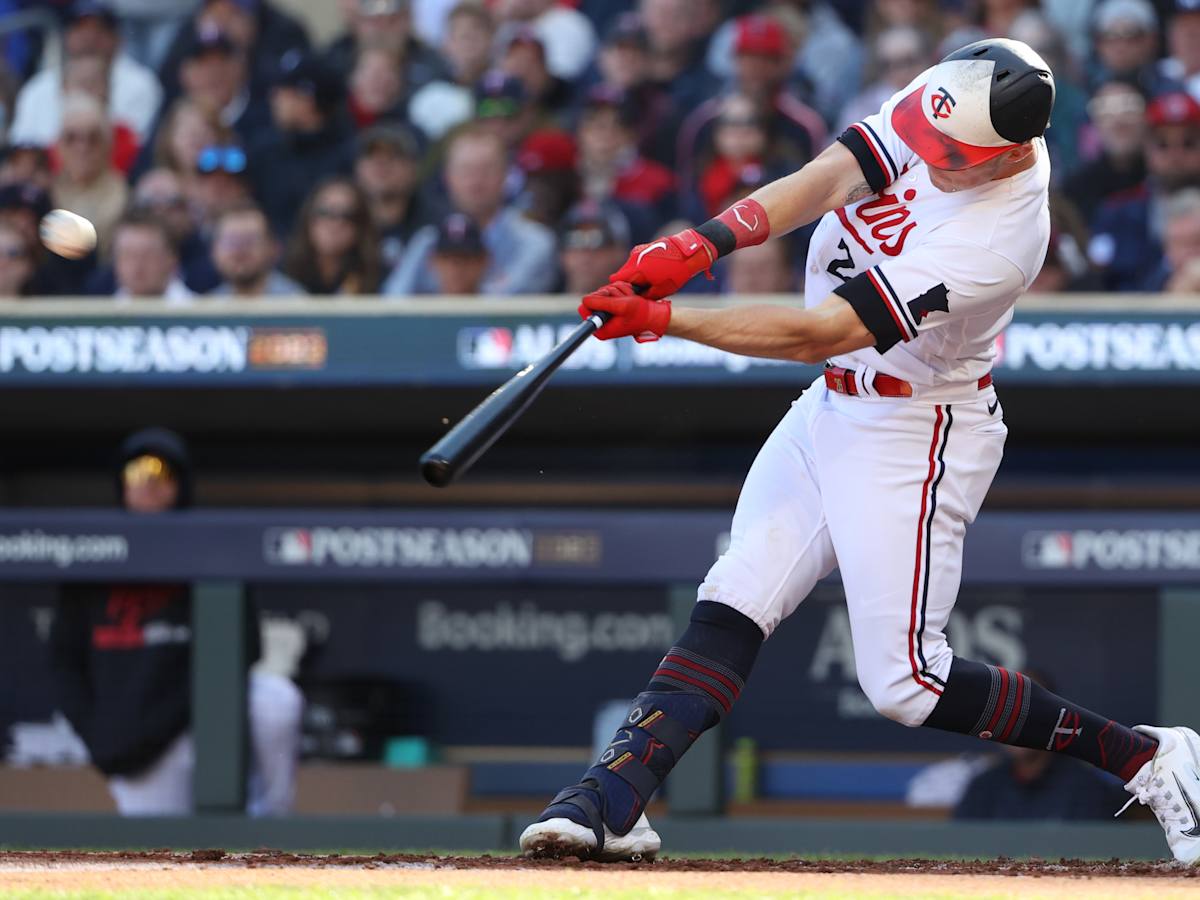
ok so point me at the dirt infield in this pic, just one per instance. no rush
(78, 873)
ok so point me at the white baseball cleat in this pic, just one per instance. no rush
(1169, 783)
(558, 838)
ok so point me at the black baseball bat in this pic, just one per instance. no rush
(463, 444)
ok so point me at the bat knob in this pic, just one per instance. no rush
(436, 470)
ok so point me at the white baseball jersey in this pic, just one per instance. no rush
(933, 275)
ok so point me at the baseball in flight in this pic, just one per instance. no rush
(67, 234)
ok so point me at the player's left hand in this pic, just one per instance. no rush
(640, 317)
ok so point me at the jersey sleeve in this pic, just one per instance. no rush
(879, 151)
(929, 287)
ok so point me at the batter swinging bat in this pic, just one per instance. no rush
(478, 430)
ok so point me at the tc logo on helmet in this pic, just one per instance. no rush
(943, 104)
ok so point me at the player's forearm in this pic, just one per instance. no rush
(768, 332)
(828, 182)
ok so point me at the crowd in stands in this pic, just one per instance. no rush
(508, 147)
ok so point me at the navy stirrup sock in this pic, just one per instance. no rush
(1008, 707)
(695, 685)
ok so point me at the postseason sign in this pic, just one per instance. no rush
(478, 348)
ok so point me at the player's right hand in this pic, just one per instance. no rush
(666, 264)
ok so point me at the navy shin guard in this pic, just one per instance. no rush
(695, 685)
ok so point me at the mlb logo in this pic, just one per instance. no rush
(288, 546)
(485, 348)
(1048, 550)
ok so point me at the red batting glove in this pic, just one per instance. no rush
(666, 264)
(642, 318)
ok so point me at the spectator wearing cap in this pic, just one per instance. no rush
(1126, 239)
(612, 168)
(1118, 115)
(334, 249)
(214, 74)
(245, 254)
(503, 105)
(623, 65)
(459, 259)
(676, 37)
(522, 253)
(466, 46)
(87, 183)
(567, 35)
(387, 170)
(386, 24)
(547, 160)
(1126, 43)
(25, 164)
(593, 242)
(22, 206)
(311, 138)
(134, 92)
(145, 261)
(18, 262)
(261, 32)
(1183, 43)
(376, 88)
(524, 57)
(899, 54)
(763, 53)
(829, 58)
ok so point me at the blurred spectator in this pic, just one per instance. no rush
(260, 32)
(459, 259)
(1127, 233)
(386, 24)
(887, 15)
(18, 263)
(134, 93)
(899, 54)
(594, 241)
(1180, 269)
(567, 35)
(121, 657)
(676, 58)
(387, 170)
(25, 164)
(161, 193)
(623, 64)
(1183, 43)
(311, 139)
(245, 253)
(996, 17)
(376, 90)
(1118, 114)
(87, 183)
(547, 160)
(611, 168)
(148, 26)
(88, 74)
(334, 248)
(1036, 784)
(739, 139)
(503, 105)
(214, 74)
(763, 51)
(766, 269)
(1126, 42)
(218, 183)
(467, 48)
(184, 132)
(830, 56)
(22, 205)
(522, 252)
(1066, 267)
(145, 261)
(524, 57)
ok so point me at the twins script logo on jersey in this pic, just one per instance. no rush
(943, 104)
(888, 218)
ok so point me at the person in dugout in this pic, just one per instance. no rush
(121, 656)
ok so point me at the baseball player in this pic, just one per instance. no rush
(933, 221)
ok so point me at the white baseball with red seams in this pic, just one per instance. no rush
(884, 488)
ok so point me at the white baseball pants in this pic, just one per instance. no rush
(884, 490)
(274, 710)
